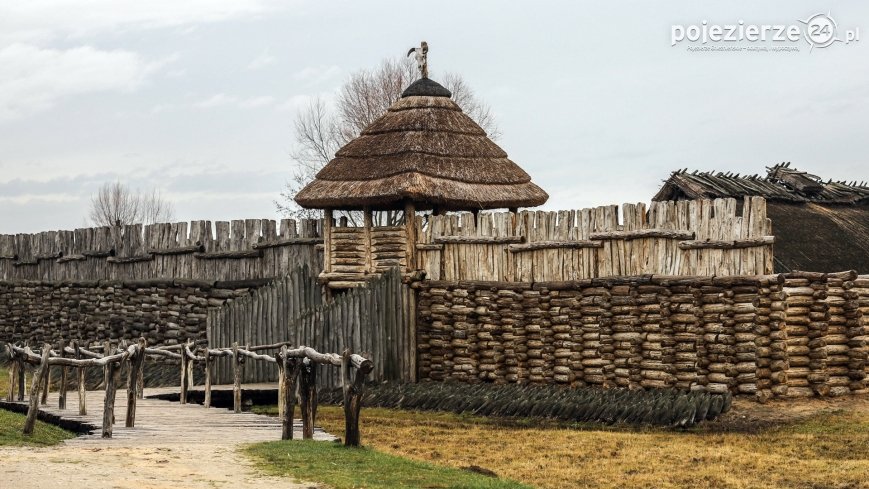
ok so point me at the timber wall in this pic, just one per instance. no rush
(229, 250)
(700, 237)
(799, 334)
(163, 311)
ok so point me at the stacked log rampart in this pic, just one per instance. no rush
(797, 334)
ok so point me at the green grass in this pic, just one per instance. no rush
(11, 424)
(43, 435)
(345, 468)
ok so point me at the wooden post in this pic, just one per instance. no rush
(190, 363)
(289, 373)
(207, 378)
(410, 230)
(140, 377)
(22, 379)
(112, 372)
(82, 388)
(47, 387)
(308, 397)
(64, 378)
(13, 374)
(369, 258)
(184, 373)
(327, 240)
(35, 386)
(281, 385)
(236, 384)
(132, 382)
(352, 386)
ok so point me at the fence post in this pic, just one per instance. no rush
(35, 386)
(132, 382)
(109, 406)
(190, 363)
(308, 397)
(207, 402)
(47, 384)
(287, 392)
(184, 383)
(352, 388)
(236, 384)
(22, 379)
(64, 378)
(140, 376)
(82, 387)
(13, 373)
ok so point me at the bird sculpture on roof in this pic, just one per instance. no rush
(421, 58)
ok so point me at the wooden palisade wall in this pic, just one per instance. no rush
(232, 250)
(702, 237)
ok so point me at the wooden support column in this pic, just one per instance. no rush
(136, 364)
(207, 402)
(82, 388)
(366, 238)
(112, 373)
(35, 386)
(140, 380)
(308, 397)
(236, 374)
(64, 379)
(184, 373)
(410, 230)
(327, 240)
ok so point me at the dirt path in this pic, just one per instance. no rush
(172, 446)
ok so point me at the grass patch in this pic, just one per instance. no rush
(43, 435)
(345, 468)
(828, 447)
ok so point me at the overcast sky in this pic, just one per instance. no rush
(197, 98)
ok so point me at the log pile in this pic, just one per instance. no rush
(795, 335)
(858, 334)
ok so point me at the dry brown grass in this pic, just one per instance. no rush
(799, 444)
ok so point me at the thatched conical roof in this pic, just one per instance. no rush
(424, 150)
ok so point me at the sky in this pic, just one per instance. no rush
(197, 98)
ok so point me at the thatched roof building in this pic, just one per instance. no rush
(819, 226)
(424, 150)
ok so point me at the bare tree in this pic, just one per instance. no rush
(320, 130)
(115, 204)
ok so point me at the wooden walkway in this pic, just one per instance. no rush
(166, 422)
(172, 446)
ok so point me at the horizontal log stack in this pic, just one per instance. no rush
(859, 337)
(795, 335)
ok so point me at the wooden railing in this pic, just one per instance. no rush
(296, 366)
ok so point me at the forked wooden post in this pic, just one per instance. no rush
(64, 379)
(236, 384)
(352, 385)
(289, 373)
(35, 386)
(82, 388)
(184, 373)
(112, 372)
(132, 382)
(308, 397)
(207, 378)
(190, 363)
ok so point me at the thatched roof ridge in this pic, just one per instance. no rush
(424, 149)
(782, 183)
